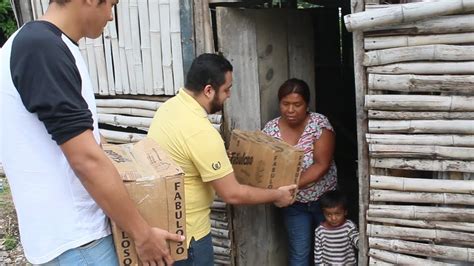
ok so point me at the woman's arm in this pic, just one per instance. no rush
(322, 157)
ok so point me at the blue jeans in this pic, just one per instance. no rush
(200, 253)
(100, 252)
(300, 221)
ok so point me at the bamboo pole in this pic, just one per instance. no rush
(155, 41)
(401, 259)
(219, 216)
(375, 261)
(421, 139)
(395, 115)
(421, 249)
(422, 126)
(108, 60)
(422, 83)
(100, 66)
(421, 151)
(125, 121)
(384, 42)
(92, 65)
(418, 234)
(121, 137)
(137, 63)
(145, 47)
(128, 45)
(119, 103)
(456, 226)
(419, 102)
(221, 233)
(219, 224)
(115, 59)
(124, 76)
(421, 213)
(423, 165)
(421, 184)
(377, 195)
(222, 251)
(430, 25)
(221, 242)
(176, 48)
(430, 68)
(397, 14)
(166, 47)
(436, 52)
(126, 111)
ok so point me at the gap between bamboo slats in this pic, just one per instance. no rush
(421, 139)
(422, 83)
(431, 25)
(385, 42)
(419, 103)
(155, 41)
(166, 47)
(421, 151)
(121, 137)
(401, 259)
(394, 115)
(421, 249)
(377, 195)
(453, 226)
(429, 68)
(422, 126)
(423, 165)
(397, 14)
(145, 47)
(421, 213)
(419, 234)
(99, 55)
(436, 52)
(422, 184)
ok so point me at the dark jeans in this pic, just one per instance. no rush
(300, 221)
(200, 253)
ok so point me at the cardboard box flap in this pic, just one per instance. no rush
(143, 160)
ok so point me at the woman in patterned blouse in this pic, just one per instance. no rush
(312, 133)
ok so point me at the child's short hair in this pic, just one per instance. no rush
(333, 199)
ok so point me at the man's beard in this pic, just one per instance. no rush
(216, 106)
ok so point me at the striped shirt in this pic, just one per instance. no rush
(335, 246)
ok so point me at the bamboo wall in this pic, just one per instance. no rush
(135, 66)
(418, 63)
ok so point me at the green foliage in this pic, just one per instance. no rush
(10, 243)
(7, 18)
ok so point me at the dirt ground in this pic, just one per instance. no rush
(11, 252)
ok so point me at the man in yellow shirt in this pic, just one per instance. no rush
(181, 127)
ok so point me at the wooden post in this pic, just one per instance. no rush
(362, 129)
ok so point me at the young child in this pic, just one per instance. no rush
(336, 237)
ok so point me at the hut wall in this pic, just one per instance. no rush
(417, 74)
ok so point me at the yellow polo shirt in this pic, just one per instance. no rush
(181, 127)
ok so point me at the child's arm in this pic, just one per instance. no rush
(354, 236)
(318, 248)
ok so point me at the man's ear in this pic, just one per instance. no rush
(208, 91)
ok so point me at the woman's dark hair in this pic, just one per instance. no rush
(294, 85)
(333, 199)
(207, 69)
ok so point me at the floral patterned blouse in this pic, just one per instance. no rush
(312, 132)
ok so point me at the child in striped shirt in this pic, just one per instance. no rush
(336, 237)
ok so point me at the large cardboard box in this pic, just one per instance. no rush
(263, 161)
(155, 183)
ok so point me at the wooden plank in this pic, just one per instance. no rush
(175, 29)
(187, 34)
(301, 50)
(166, 47)
(199, 26)
(272, 50)
(238, 42)
(136, 49)
(396, 14)
(155, 41)
(430, 68)
(423, 165)
(145, 47)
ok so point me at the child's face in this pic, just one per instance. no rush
(335, 216)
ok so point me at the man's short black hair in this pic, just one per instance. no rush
(333, 199)
(207, 69)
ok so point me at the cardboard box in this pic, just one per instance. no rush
(155, 183)
(263, 161)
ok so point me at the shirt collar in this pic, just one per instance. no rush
(191, 103)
